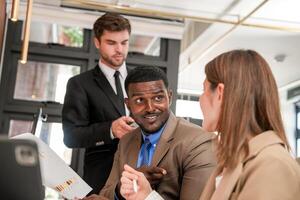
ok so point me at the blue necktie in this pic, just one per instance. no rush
(145, 152)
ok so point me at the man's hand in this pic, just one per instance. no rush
(153, 174)
(134, 191)
(121, 126)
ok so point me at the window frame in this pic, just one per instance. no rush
(297, 129)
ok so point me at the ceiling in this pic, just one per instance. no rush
(272, 44)
(280, 37)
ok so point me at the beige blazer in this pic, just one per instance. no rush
(268, 173)
(184, 150)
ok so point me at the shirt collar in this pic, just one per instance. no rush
(109, 72)
(154, 137)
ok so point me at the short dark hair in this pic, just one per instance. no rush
(146, 74)
(111, 22)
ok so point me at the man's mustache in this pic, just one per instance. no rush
(118, 54)
(151, 114)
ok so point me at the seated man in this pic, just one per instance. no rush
(175, 155)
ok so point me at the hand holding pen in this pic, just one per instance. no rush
(134, 184)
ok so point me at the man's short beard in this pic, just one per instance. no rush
(111, 62)
(119, 65)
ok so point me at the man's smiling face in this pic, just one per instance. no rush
(149, 104)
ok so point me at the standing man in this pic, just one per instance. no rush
(94, 114)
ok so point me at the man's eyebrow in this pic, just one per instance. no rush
(109, 40)
(141, 93)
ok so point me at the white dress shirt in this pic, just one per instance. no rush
(154, 196)
(109, 74)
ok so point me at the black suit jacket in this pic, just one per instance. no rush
(89, 108)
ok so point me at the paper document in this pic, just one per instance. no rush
(56, 174)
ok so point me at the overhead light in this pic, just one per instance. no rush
(280, 57)
(14, 10)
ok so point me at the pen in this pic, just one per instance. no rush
(135, 189)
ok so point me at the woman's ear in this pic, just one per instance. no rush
(220, 91)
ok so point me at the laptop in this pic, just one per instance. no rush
(20, 174)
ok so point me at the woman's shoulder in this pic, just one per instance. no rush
(272, 173)
(274, 159)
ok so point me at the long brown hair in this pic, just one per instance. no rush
(250, 102)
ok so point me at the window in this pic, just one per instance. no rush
(298, 148)
(19, 126)
(188, 107)
(297, 130)
(144, 45)
(41, 81)
(50, 133)
(57, 34)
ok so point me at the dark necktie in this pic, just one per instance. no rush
(119, 89)
(145, 152)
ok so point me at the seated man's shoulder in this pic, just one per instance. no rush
(189, 132)
(130, 136)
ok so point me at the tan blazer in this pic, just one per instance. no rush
(184, 150)
(268, 173)
(298, 160)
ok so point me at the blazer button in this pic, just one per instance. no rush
(99, 143)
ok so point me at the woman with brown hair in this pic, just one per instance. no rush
(240, 103)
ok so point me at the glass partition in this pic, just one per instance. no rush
(17, 127)
(50, 133)
(41, 81)
(144, 45)
(47, 33)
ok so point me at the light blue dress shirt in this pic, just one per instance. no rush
(154, 138)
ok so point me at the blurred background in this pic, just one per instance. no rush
(178, 36)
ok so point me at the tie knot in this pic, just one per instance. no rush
(117, 73)
(147, 142)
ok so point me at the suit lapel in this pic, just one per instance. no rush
(107, 89)
(161, 150)
(228, 182)
(210, 186)
(164, 142)
(134, 148)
